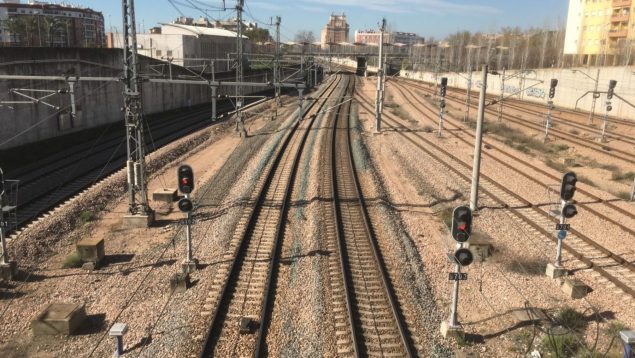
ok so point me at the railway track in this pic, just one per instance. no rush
(242, 287)
(581, 126)
(45, 184)
(537, 109)
(366, 314)
(602, 148)
(590, 198)
(587, 252)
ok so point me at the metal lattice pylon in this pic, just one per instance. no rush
(240, 124)
(133, 107)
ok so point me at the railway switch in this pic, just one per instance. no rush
(186, 179)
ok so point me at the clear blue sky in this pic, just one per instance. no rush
(435, 18)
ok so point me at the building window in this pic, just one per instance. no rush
(168, 53)
(158, 52)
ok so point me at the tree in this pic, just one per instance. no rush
(258, 35)
(304, 36)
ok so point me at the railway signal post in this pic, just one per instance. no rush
(185, 176)
(462, 257)
(552, 93)
(609, 108)
(478, 141)
(8, 268)
(442, 91)
(567, 211)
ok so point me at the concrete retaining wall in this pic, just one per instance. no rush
(571, 86)
(99, 102)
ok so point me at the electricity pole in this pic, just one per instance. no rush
(133, 107)
(276, 63)
(500, 101)
(478, 139)
(8, 268)
(468, 101)
(379, 78)
(214, 91)
(595, 97)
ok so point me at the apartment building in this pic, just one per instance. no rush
(42, 24)
(336, 31)
(600, 32)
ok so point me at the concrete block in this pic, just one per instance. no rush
(628, 336)
(189, 266)
(480, 246)
(248, 324)
(555, 272)
(91, 250)
(530, 314)
(448, 331)
(8, 271)
(180, 282)
(568, 161)
(59, 318)
(574, 288)
(165, 195)
(137, 221)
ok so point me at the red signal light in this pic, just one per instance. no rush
(462, 227)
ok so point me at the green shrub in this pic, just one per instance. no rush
(446, 216)
(625, 195)
(586, 180)
(86, 216)
(560, 147)
(617, 176)
(72, 261)
(555, 165)
(570, 318)
(565, 345)
(522, 341)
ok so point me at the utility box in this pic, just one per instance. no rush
(165, 195)
(91, 250)
(58, 318)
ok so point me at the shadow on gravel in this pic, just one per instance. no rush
(528, 267)
(505, 331)
(129, 270)
(94, 323)
(117, 259)
(8, 295)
